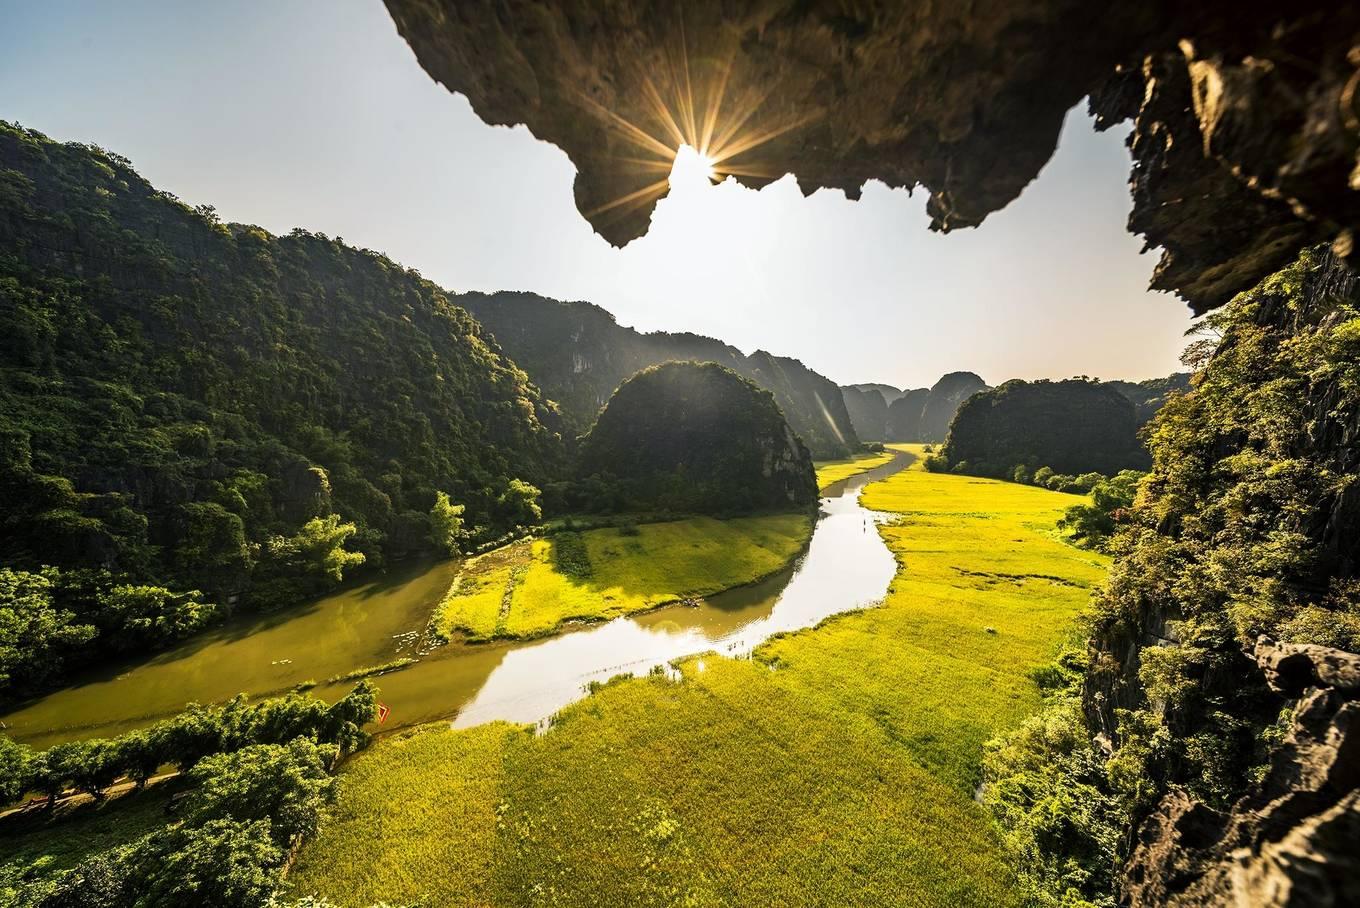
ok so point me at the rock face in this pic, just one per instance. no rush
(868, 412)
(904, 415)
(697, 437)
(578, 355)
(1292, 841)
(946, 396)
(1072, 426)
(1243, 151)
(889, 393)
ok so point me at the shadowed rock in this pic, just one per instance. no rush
(1246, 114)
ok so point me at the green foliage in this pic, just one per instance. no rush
(285, 785)
(192, 405)
(35, 634)
(518, 504)
(446, 524)
(1074, 426)
(1093, 524)
(1244, 526)
(697, 438)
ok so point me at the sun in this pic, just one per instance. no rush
(691, 168)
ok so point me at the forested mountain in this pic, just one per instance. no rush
(1148, 396)
(578, 355)
(192, 405)
(1073, 426)
(914, 415)
(697, 437)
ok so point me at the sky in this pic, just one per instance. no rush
(314, 113)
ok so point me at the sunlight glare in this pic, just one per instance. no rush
(691, 168)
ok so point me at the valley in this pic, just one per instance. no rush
(846, 754)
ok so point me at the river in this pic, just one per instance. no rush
(846, 566)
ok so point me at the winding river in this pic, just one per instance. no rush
(846, 566)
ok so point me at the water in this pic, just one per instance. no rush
(845, 567)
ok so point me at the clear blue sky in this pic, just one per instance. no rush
(314, 113)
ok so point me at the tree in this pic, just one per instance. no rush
(286, 784)
(15, 761)
(222, 863)
(519, 503)
(321, 544)
(446, 524)
(35, 635)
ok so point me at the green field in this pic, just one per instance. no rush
(532, 587)
(836, 768)
(832, 471)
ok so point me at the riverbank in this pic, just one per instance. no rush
(534, 587)
(830, 472)
(836, 767)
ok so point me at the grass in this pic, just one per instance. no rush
(36, 843)
(534, 586)
(833, 471)
(370, 671)
(835, 768)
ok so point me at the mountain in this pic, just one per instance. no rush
(868, 412)
(946, 395)
(208, 406)
(924, 414)
(904, 416)
(889, 393)
(697, 437)
(1072, 426)
(577, 354)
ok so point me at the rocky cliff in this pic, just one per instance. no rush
(1245, 114)
(904, 415)
(868, 412)
(944, 400)
(697, 437)
(578, 355)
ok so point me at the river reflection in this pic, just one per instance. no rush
(846, 566)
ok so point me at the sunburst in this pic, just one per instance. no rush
(694, 103)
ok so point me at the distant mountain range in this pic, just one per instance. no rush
(577, 354)
(883, 413)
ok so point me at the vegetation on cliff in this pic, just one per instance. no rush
(695, 438)
(1246, 525)
(195, 414)
(577, 354)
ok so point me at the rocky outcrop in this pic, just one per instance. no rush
(868, 412)
(904, 415)
(1247, 115)
(696, 438)
(946, 396)
(1292, 841)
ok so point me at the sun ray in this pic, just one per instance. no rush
(633, 199)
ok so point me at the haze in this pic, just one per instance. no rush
(315, 114)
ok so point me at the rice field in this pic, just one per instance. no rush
(532, 587)
(835, 768)
(833, 471)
